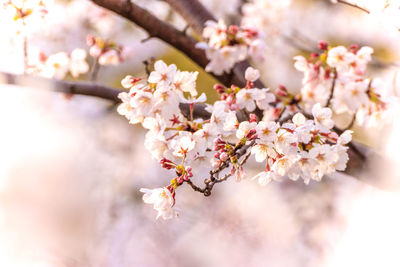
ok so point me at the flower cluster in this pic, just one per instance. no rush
(106, 52)
(306, 149)
(336, 78)
(59, 64)
(185, 143)
(226, 46)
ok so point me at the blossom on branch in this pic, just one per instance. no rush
(225, 46)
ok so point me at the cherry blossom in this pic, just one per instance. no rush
(227, 45)
(162, 200)
(78, 64)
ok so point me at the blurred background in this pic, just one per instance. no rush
(71, 168)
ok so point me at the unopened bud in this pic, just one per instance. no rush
(323, 45)
(218, 144)
(90, 40)
(281, 91)
(233, 29)
(253, 117)
(354, 48)
(219, 88)
(252, 134)
(167, 164)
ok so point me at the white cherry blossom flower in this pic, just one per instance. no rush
(286, 142)
(125, 109)
(78, 64)
(343, 158)
(363, 55)
(281, 166)
(264, 99)
(345, 137)
(166, 102)
(56, 66)
(265, 177)
(231, 122)
(339, 57)
(322, 117)
(246, 98)
(110, 57)
(252, 74)
(163, 74)
(162, 201)
(186, 81)
(266, 131)
(156, 126)
(215, 32)
(127, 82)
(208, 133)
(156, 145)
(244, 128)
(325, 156)
(182, 144)
(263, 150)
(143, 101)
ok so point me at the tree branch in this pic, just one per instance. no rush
(332, 88)
(78, 88)
(162, 30)
(210, 182)
(353, 5)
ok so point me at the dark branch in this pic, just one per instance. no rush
(210, 182)
(353, 5)
(77, 88)
(163, 31)
(332, 88)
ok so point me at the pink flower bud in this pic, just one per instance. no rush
(189, 172)
(233, 29)
(219, 88)
(327, 73)
(323, 45)
(167, 164)
(253, 117)
(219, 144)
(281, 91)
(354, 48)
(90, 40)
(252, 134)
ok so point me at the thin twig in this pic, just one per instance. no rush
(332, 88)
(213, 179)
(280, 114)
(25, 44)
(353, 5)
(147, 65)
(95, 69)
(351, 124)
